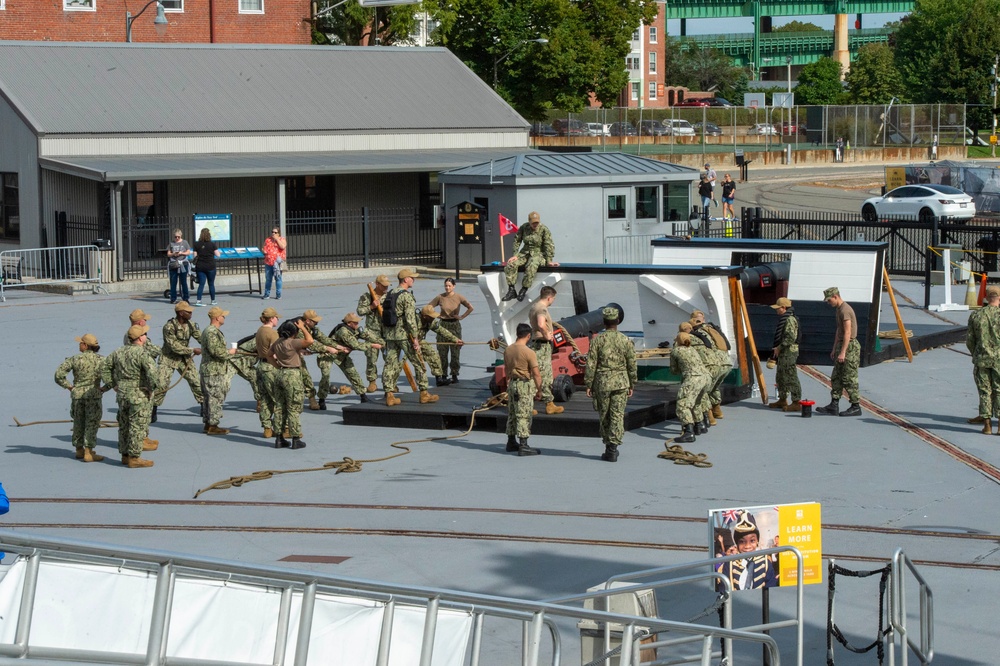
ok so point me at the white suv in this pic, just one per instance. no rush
(679, 127)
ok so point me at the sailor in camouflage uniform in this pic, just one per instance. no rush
(139, 318)
(533, 247)
(267, 373)
(983, 341)
(85, 406)
(373, 328)
(610, 379)
(216, 371)
(325, 359)
(430, 321)
(524, 381)
(178, 354)
(130, 370)
(786, 355)
(702, 409)
(348, 335)
(718, 364)
(686, 362)
(403, 339)
(244, 363)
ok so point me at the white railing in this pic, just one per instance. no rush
(50, 266)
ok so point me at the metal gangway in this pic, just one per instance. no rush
(50, 266)
(53, 615)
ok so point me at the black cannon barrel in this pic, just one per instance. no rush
(588, 323)
(777, 271)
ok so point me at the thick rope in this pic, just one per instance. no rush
(350, 464)
(833, 631)
(103, 424)
(682, 457)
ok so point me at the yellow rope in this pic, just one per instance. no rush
(350, 464)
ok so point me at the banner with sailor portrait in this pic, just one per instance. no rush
(749, 529)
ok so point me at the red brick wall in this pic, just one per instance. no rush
(202, 21)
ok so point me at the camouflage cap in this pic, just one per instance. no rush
(312, 316)
(534, 217)
(182, 306)
(610, 313)
(781, 303)
(407, 273)
(269, 313)
(88, 339)
(217, 312)
(351, 318)
(830, 293)
(383, 280)
(429, 311)
(136, 332)
(137, 314)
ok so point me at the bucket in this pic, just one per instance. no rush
(807, 408)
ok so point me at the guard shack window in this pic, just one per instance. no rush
(646, 203)
(10, 208)
(676, 201)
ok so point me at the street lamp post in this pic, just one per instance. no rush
(161, 18)
(497, 61)
(788, 63)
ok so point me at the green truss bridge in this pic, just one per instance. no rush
(802, 47)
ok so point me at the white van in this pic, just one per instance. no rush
(597, 129)
(679, 128)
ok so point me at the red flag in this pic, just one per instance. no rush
(507, 226)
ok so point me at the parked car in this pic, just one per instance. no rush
(920, 202)
(678, 127)
(542, 129)
(788, 129)
(622, 129)
(762, 129)
(569, 127)
(708, 129)
(597, 129)
(652, 128)
(719, 101)
(695, 101)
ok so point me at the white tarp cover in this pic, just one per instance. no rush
(93, 607)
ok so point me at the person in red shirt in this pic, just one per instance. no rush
(275, 255)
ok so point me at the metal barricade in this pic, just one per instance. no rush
(924, 650)
(50, 266)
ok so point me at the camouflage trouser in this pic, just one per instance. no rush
(988, 386)
(288, 402)
(246, 367)
(308, 389)
(431, 358)
(690, 397)
(86, 414)
(531, 263)
(453, 364)
(188, 371)
(346, 365)
(845, 375)
(134, 412)
(325, 363)
(787, 375)
(611, 412)
(371, 359)
(720, 370)
(520, 401)
(543, 350)
(267, 377)
(394, 365)
(215, 388)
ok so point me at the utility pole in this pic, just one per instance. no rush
(993, 85)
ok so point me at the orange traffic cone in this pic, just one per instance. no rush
(982, 290)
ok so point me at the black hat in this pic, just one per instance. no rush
(745, 527)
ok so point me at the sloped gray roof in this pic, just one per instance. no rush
(75, 88)
(569, 165)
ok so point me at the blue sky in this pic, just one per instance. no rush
(722, 26)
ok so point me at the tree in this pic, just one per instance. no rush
(354, 25)
(819, 83)
(873, 78)
(700, 69)
(797, 26)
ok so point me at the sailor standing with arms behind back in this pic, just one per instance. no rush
(610, 378)
(846, 355)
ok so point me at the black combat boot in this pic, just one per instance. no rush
(705, 424)
(153, 418)
(698, 428)
(364, 398)
(610, 453)
(832, 409)
(510, 295)
(322, 404)
(687, 434)
(442, 380)
(511, 444)
(521, 294)
(281, 443)
(853, 410)
(524, 450)
(298, 443)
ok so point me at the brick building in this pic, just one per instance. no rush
(189, 21)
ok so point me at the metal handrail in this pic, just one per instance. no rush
(897, 611)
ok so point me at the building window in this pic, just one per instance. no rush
(310, 202)
(173, 5)
(79, 4)
(251, 6)
(632, 63)
(1, 4)
(635, 36)
(676, 201)
(646, 199)
(616, 207)
(430, 198)
(652, 90)
(635, 91)
(652, 34)
(652, 63)
(10, 210)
